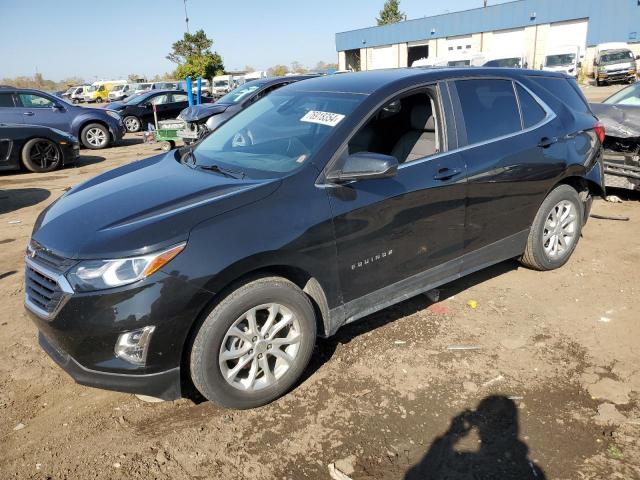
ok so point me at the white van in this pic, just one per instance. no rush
(614, 62)
(565, 59)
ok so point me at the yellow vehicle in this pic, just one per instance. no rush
(99, 91)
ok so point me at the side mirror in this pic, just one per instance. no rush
(579, 65)
(57, 106)
(145, 105)
(595, 63)
(637, 57)
(364, 166)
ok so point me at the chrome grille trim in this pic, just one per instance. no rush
(45, 291)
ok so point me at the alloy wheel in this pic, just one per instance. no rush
(96, 137)
(560, 229)
(45, 154)
(132, 124)
(260, 347)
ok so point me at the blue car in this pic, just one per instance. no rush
(94, 127)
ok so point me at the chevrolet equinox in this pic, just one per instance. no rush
(216, 266)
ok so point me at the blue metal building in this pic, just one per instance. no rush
(531, 24)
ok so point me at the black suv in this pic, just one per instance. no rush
(217, 266)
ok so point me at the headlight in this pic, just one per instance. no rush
(113, 114)
(91, 275)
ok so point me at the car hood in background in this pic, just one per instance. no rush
(200, 112)
(620, 121)
(115, 106)
(140, 207)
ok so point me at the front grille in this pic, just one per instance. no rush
(48, 259)
(42, 291)
(46, 288)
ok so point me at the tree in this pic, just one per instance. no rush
(297, 67)
(248, 69)
(133, 77)
(391, 13)
(326, 66)
(194, 56)
(278, 70)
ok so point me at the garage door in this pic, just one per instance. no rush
(383, 57)
(573, 32)
(460, 44)
(508, 40)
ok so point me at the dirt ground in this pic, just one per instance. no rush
(540, 379)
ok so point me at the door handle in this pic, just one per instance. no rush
(446, 173)
(28, 114)
(546, 142)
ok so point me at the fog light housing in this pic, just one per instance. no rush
(133, 346)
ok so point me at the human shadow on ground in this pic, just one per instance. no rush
(17, 198)
(500, 455)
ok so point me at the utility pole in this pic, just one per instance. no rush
(485, 3)
(186, 16)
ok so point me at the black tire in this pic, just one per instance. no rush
(98, 99)
(132, 123)
(536, 255)
(89, 133)
(41, 155)
(598, 82)
(205, 364)
(165, 146)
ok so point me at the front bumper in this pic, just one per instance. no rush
(80, 330)
(616, 76)
(164, 385)
(70, 153)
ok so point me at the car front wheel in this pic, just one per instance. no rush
(132, 124)
(95, 136)
(41, 155)
(254, 345)
(555, 231)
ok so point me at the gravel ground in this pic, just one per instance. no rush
(550, 388)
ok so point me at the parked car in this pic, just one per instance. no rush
(94, 127)
(98, 92)
(137, 113)
(614, 62)
(316, 206)
(120, 92)
(620, 115)
(76, 94)
(202, 119)
(36, 148)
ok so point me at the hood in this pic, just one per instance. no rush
(200, 112)
(140, 207)
(115, 106)
(620, 121)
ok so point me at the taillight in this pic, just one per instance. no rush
(599, 129)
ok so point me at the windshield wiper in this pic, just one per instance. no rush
(223, 171)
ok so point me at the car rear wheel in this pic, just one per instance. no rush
(254, 345)
(41, 155)
(95, 136)
(555, 231)
(132, 124)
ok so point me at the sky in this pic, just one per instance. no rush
(112, 39)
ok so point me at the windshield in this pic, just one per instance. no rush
(70, 90)
(617, 56)
(92, 88)
(626, 96)
(277, 134)
(135, 100)
(560, 60)
(238, 94)
(504, 63)
(221, 83)
(117, 87)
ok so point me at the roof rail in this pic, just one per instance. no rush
(7, 86)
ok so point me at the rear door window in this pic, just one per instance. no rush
(565, 92)
(532, 112)
(489, 108)
(31, 100)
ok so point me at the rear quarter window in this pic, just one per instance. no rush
(489, 107)
(565, 92)
(532, 112)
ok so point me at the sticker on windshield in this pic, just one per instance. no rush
(323, 118)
